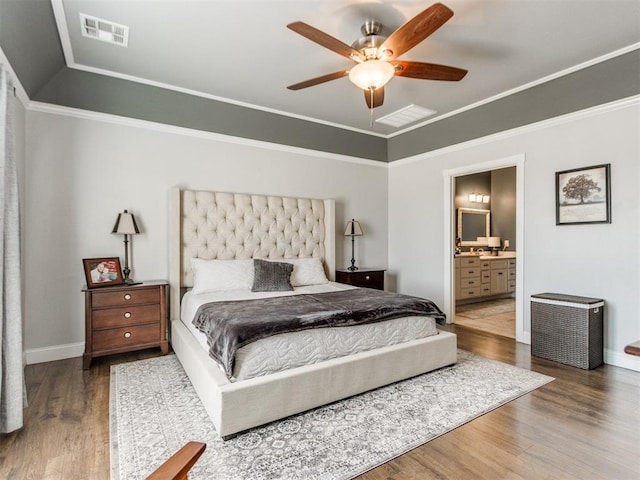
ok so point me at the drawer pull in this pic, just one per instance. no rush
(127, 314)
(127, 296)
(367, 277)
(127, 334)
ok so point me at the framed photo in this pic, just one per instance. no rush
(102, 272)
(583, 195)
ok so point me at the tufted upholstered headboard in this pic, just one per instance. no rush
(217, 225)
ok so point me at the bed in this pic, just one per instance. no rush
(227, 226)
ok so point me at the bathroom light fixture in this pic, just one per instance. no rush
(126, 225)
(353, 230)
(479, 197)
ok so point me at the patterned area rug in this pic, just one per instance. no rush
(154, 411)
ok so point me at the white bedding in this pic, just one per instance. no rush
(290, 350)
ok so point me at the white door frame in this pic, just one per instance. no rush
(517, 161)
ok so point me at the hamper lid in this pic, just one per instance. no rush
(560, 297)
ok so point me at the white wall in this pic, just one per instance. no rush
(599, 260)
(81, 172)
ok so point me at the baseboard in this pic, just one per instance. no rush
(72, 350)
(56, 352)
(524, 337)
(623, 360)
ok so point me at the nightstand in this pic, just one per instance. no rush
(124, 318)
(363, 277)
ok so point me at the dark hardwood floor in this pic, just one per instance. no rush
(583, 425)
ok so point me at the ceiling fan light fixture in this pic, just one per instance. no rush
(371, 74)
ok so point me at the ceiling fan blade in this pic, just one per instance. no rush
(319, 80)
(417, 29)
(378, 97)
(325, 40)
(428, 71)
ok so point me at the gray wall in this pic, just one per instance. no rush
(503, 205)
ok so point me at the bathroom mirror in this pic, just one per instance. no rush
(474, 226)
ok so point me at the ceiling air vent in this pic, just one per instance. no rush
(104, 30)
(405, 116)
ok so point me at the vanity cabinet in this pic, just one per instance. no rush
(472, 277)
(511, 275)
(484, 276)
(499, 276)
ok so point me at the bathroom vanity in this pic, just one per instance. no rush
(478, 277)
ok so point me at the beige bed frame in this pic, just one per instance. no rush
(238, 406)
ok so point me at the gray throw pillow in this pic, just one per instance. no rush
(271, 276)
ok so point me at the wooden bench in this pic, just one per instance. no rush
(177, 467)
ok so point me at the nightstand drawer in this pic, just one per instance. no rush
(367, 279)
(124, 316)
(362, 278)
(131, 296)
(126, 337)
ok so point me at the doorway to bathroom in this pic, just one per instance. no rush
(484, 247)
(485, 281)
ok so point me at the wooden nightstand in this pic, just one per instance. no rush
(124, 318)
(363, 277)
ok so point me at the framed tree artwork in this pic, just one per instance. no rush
(583, 195)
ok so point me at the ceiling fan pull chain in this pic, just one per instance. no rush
(371, 103)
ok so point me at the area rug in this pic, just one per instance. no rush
(154, 411)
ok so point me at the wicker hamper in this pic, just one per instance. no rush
(567, 329)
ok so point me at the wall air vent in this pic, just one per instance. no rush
(405, 116)
(104, 30)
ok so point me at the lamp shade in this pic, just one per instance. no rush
(371, 74)
(353, 229)
(125, 224)
(493, 241)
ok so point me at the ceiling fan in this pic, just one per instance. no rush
(376, 55)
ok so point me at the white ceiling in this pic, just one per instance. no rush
(241, 51)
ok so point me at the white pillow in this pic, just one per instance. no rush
(306, 271)
(221, 275)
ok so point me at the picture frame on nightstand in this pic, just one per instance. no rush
(102, 271)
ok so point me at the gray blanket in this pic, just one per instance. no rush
(230, 325)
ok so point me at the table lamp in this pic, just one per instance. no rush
(126, 225)
(494, 244)
(353, 230)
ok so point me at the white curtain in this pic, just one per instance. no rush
(12, 388)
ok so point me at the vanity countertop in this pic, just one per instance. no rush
(485, 255)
